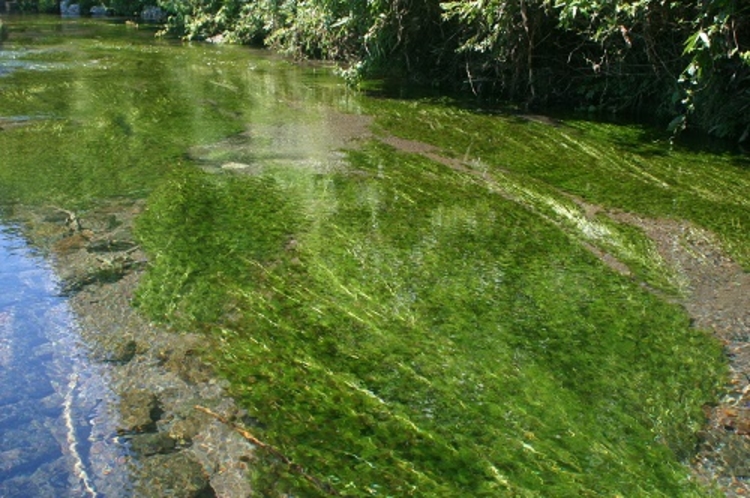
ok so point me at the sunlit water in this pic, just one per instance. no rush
(56, 436)
(449, 331)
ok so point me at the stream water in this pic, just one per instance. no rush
(92, 110)
(57, 422)
(446, 308)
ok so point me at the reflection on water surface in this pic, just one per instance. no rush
(56, 432)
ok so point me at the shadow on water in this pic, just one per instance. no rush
(56, 425)
(648, 137)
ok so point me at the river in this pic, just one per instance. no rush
(404, 296)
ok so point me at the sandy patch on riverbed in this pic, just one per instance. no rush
(717, 297)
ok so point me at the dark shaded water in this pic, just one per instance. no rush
(56, 436)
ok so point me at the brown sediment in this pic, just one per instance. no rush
(717, 298)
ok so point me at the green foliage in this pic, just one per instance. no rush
(368, 37)
(599, 55)
(194, 19)
(500, 40)
(719, 70)
(48, 6)
(27, 6)
(40, 6)
(128, 8)
(201, 19)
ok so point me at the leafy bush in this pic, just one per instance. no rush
(717, 79)
(130, 8)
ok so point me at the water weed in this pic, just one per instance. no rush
(432, 322)
(404, 333)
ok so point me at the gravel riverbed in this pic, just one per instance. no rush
(156, 375)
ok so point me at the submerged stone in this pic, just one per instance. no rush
(184, 360)
(122, 352)
(139, 411)
(109, 245)
(26, 447)
(176, 475)
(68, 9)
(49, 480)
(152, 444)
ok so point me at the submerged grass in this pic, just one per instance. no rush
(614, 166)
(401, 332)
(599, 232)
(90, 110)
(397, 327)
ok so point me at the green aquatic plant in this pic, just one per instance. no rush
(398, 323)
(111, 113)
(396, 330)
(620, 167)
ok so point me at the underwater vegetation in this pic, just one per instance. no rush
(399, 331)
(397, 323)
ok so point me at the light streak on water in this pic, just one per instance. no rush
(57, 414)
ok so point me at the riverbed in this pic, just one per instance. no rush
(59, 413)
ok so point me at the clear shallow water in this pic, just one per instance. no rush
(393, 324)
(13, 60)
(91, 110)
(56, 428)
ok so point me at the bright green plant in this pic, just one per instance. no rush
(405, 332)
